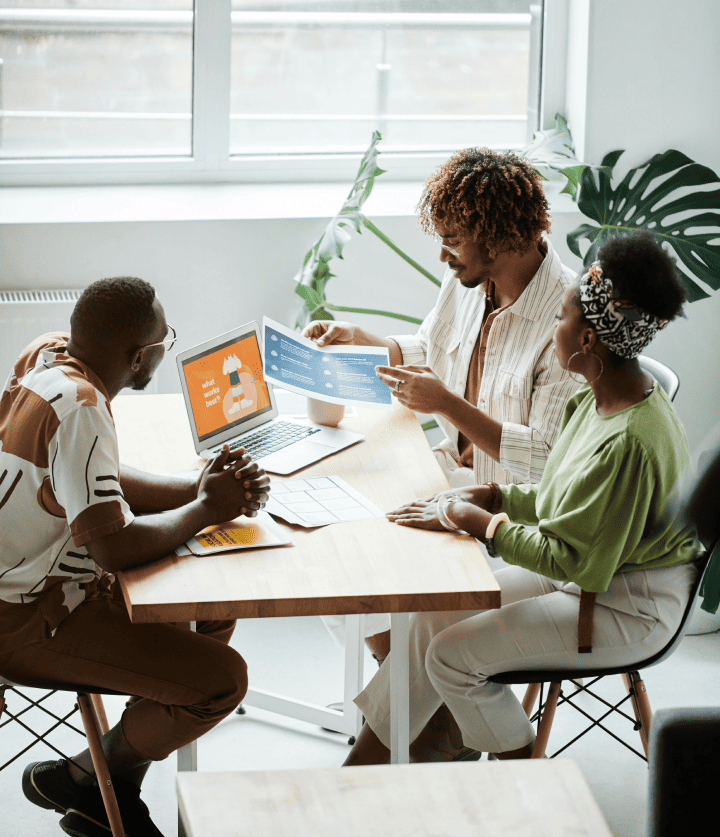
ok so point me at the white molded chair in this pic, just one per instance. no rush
(664, 375)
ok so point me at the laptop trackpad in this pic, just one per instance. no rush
(297, 456)
(317, 447)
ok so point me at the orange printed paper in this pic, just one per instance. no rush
(241, 533)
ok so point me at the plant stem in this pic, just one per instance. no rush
(330, 307)
(391, 244)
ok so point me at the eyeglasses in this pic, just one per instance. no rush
(170, 340)
(439, 239)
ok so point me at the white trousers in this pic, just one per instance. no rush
(457, 475)
(453, 654)
(375, 623)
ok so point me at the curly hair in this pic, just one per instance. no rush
(118, 310)
(496, 198)
(643, 272)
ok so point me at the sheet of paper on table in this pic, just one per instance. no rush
(337, 374)
(318, 501)
(241, 533)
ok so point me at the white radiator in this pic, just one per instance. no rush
(25, 315)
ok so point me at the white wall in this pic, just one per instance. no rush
(652, 78)
(654, 68)
(215, 275)
(652, 72)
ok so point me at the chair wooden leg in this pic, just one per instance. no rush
(92, 730)
(546, 719)
(531, 694)
(640, 704)
(99, 708)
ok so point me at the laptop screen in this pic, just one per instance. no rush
(226, 385)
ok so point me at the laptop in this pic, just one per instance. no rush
(229, 402)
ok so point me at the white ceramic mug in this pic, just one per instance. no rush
(323, 412)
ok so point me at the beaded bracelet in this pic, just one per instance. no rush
(496, 497)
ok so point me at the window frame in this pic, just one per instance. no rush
(210, 160)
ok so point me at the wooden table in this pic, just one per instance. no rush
(530, 798)
(367, 566)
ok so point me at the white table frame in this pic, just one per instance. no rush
(349, 720)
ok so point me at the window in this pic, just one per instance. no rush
(164, 90)
(85, 80)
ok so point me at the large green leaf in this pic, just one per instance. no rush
(667, 195)
(554, 148)
(311, 279)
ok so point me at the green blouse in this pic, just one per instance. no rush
(600, 507)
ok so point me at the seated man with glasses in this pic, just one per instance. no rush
(482, 361)
(66, 515)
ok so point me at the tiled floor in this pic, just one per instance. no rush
(297, 657)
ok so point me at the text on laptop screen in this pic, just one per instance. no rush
(226, 385)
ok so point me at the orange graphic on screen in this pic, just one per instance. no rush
(226, 385)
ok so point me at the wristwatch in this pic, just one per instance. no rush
(495, 521)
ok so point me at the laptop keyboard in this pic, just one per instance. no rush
(272, 438)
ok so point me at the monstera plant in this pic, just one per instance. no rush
(551, 148)
(312, 278)
(672, 196)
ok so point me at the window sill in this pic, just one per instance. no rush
(210, 202)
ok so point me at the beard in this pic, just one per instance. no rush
(475, 281)
(141, 383)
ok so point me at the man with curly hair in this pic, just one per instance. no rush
(482, 361)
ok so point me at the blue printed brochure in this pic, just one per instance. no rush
(338, 374)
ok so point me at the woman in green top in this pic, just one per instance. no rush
(603, 570)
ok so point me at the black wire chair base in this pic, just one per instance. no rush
(39, 737)
(596, 722)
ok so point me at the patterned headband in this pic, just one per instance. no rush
(620, 324)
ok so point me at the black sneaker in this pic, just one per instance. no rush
(86, 815)
(48, 784)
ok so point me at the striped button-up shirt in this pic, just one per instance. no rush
(523, 386)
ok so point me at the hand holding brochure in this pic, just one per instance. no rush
(337, 374)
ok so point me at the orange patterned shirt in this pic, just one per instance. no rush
(59, 480)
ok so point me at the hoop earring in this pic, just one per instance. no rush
(597, 377)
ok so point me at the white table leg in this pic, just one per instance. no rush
(186, 759)
(349, 720)
(354, 667)
(399, 688)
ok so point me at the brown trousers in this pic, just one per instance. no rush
(188, 681)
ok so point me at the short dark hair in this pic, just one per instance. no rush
(118, 310)
(496, 198)
(643, 272)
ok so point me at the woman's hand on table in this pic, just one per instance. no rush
(233, 485)
(421, 514)
(478, 495)
(467, 512)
